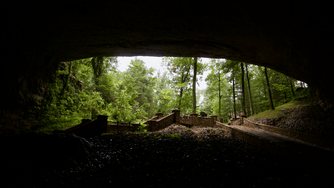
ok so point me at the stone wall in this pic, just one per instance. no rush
(185, 120)
(224, 127)
(161, 123)
(194, 120)
(206, 122)
(123, 127)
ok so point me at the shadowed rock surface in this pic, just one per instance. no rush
(292, 38)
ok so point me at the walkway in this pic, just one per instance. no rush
(292, 147)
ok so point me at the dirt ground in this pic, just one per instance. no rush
(309, 119)
(194, 132)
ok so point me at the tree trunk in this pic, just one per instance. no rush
(181, 92)
(249, 91)
(96, 64)
(243, 88)
(292, 90)
(271, 100)
(65, 85)
(219, 96)
(235, 111)
(194, 86)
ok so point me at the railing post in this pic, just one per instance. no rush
(194, 119)
(102, 123)
(151, 125)
(159, 115)
(176, 116)
(214, 119)
(242, 116)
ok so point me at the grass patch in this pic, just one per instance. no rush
(292, 104)
(268, 114)
(60, 124)
(154, 136)
(277, 112)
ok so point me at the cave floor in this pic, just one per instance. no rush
(315, 154)
(275, 137)
(137, 159)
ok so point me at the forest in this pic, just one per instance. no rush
(85, 88)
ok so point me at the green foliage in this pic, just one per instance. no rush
(181, 74)
(124, 96)
(106, 134)
(175, 135)
(142, 81)
(303, 94)
(216, 83)
(165, 95)
(89, 87)
(292, 104)
(282, 87)
(269, 114)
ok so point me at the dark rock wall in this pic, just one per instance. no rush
(294, 39)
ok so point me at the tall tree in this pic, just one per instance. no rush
(98, 67)
(291, 86)
(270, 97)
(101, 65)
(144, 83)
(65, 83)
(194, 85)
(232, 67)
(219, 96)
(243, 88)
(235, 110)
(249, 91)
(180, 69)
(164, 93)
(213, 80)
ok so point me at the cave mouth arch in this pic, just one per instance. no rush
(286, 37)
